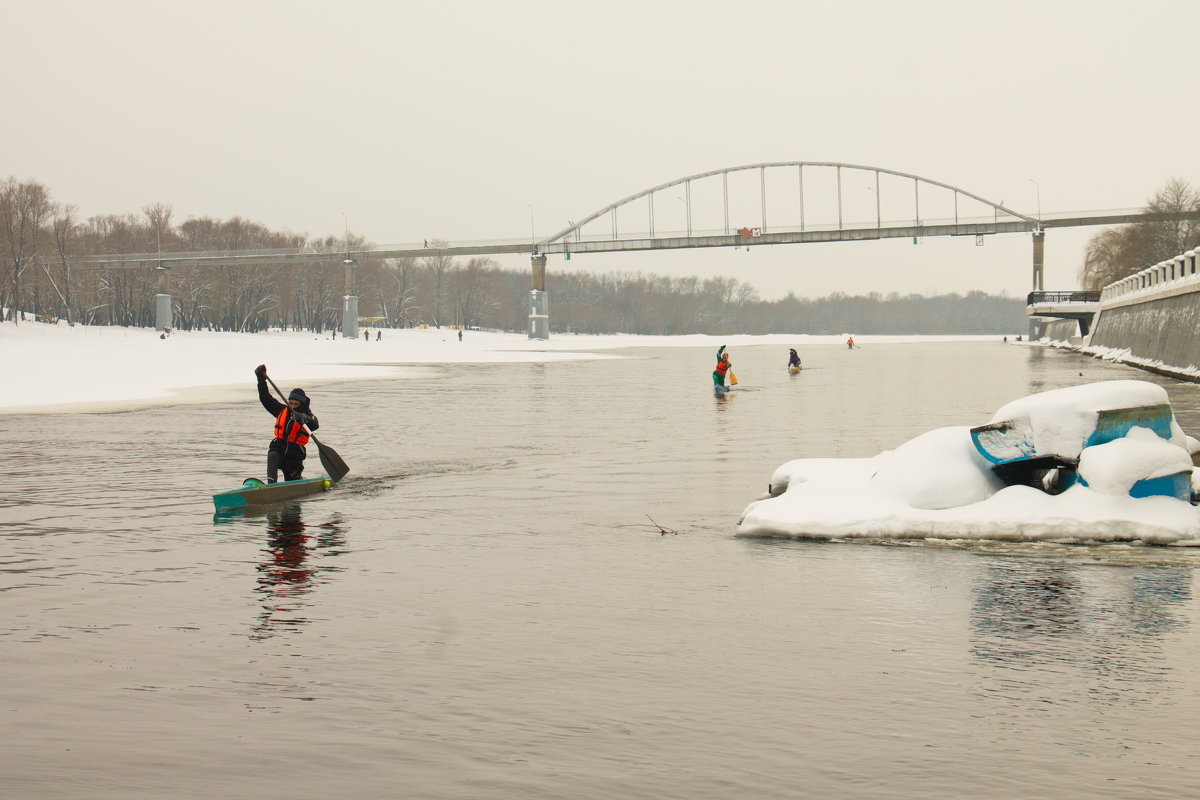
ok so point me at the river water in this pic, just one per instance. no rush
(486, 610)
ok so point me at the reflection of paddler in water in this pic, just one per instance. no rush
(287, 543)
(284, 573)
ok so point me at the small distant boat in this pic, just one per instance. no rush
(254, 492)
(793, 369)
(719, 389)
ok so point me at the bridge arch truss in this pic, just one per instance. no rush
(904, 219)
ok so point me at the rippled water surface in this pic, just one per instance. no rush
(486, 610)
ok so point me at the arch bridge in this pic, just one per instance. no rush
(779, 202)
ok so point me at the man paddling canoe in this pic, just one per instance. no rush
(286, 451)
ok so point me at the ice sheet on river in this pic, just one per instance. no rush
(940, 485)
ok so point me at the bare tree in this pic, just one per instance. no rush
(158, 217)
(474, 291)
(1169, 238)
(63, 228)
(24, 208)
(398, 292)
(1116, 253)
(438, 267)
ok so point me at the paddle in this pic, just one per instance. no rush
(732, 378)
(330, 460)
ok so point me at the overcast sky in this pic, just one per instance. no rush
(472, 120)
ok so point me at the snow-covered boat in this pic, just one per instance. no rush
(1102, 462)
(1041, 440)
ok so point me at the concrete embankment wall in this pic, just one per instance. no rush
(1164, 329)
(1059, 330)
(1155, 315)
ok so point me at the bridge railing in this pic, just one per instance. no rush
(1036, 298)
(1154, 278)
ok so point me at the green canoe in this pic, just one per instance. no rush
(256, 493)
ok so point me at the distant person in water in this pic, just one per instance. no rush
(286, 451)
(850, 343)
(722, 367)
(793, 358)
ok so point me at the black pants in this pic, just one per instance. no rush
(292, 467)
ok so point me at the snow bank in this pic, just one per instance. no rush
(55, 368)
(938, 485)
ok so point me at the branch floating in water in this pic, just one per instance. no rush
(661, 530)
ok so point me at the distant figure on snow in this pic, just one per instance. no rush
(366, 336)
(378, 336)
(460, 336)
(286, 451)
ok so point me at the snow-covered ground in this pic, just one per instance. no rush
(939, 486)
(53, 368)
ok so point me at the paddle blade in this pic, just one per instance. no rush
(331, 462)
(732, 379)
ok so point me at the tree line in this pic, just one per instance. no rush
(42, 244)
(1118, 252)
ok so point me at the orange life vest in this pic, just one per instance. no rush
(295, 432)
(722, 366)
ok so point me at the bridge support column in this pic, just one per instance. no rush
(1039, 261)
(162, 302)
(539, 307)
(350, 303)
(1039, 279)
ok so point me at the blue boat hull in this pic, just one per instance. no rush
(1011, 448)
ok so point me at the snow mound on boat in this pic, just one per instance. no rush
(937, 485)
(1114, 467)
(961, 476)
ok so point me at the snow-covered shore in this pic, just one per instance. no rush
(51, 368)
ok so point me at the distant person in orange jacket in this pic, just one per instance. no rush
(723, 364)
(850, 343)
